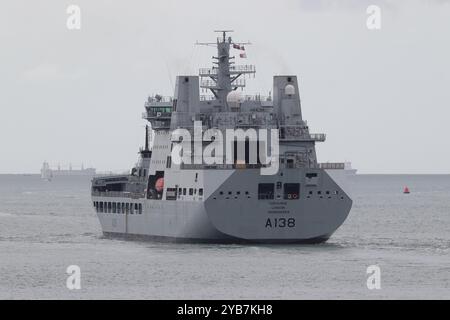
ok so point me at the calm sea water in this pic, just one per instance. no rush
(47, 226)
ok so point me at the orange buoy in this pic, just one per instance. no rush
(159, 185)
(406, 190)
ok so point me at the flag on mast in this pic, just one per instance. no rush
(236, 46)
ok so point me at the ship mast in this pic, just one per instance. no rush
(223, 77)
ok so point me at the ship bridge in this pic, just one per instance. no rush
(227, 107)
(158, 111)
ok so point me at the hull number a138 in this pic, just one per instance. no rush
(280, 223)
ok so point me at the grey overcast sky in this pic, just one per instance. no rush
(382, 97)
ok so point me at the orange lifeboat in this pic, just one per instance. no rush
(406, 190)
(159, 185)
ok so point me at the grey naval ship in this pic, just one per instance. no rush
(230, 202)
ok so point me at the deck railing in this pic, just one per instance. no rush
(118, 194)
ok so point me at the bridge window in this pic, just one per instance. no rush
(265, 190)
(191, 191)
(200, 192)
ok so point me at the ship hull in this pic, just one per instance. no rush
(233, 212)
(220, 240)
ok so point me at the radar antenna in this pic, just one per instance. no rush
(224, 76)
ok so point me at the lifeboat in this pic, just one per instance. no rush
(159, 185)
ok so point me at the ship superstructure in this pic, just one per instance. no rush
(231, 200)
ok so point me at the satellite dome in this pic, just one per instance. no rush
(235, 97)
(289, 90)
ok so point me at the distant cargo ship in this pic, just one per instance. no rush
(48, 173)
(345, 166)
